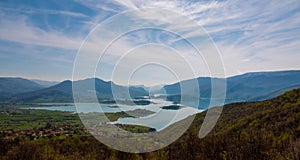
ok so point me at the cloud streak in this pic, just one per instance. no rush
(44, 11)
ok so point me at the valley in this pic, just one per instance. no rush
(243, 131)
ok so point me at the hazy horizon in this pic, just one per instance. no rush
(141, 83)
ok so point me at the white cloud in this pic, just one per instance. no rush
(18, 29)
(247, 33)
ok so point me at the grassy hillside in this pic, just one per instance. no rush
(259, 130)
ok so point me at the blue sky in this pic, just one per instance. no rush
(40, 39)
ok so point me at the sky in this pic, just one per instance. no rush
(41, 39)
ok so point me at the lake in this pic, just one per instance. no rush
(159, 120)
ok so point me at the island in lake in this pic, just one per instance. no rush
(172, 107)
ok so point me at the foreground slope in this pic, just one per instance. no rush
(254, 130)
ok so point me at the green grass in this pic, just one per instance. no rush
(18, 119)
(22, 119)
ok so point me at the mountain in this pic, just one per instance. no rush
(11, 86)
(254, 86)
(62, 92)
(45, 83)
(262, 85)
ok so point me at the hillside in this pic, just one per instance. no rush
(11, 86)
(250, 130)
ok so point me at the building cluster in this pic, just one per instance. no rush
(34, 134)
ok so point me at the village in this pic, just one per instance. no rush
(46, 132)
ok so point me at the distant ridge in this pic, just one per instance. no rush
(254, 86)
(62, 92)
(15, 85)
(44, 83)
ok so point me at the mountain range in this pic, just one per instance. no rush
(247, 87)
(254, 86)
(63, 92)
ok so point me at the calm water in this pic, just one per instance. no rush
(159, 120)
(84, 107)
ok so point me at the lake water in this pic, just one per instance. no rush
(83, 107)
(159, 120)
